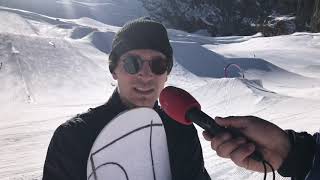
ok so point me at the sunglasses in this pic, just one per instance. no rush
(133, 64)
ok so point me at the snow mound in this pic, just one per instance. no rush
(206, 63)
(313, 68)
(45, 72)
(101, 40)
(181, 77)
(65, 26)
(80, 32)
(85, 21)
(15, 24)
(12, 86)
(31, 16)
(234, 96)
(111, 12)
(181, 36)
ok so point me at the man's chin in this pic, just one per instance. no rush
(144, 103)
(148, 105)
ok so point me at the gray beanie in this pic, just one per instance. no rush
(142, 33)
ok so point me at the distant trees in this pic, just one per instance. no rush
(315, 20)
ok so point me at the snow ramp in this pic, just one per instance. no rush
(49, 69)
(15, 24)
(101, 40)
(203, 63)
(234, 96)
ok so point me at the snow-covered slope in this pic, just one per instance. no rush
(52, 69)
(108, 11)
(49, 69)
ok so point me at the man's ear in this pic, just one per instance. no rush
(114, 75)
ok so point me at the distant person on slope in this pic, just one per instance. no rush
(292, 154)
(140, 60)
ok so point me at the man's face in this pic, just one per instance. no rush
(143, 88)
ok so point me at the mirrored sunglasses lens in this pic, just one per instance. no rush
(159, 66)
(132, 64)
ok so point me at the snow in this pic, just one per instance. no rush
(53, 69)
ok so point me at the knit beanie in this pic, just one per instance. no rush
(142, 33)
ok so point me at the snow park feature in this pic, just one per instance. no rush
(233, 65)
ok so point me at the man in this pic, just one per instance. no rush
(292, 154)
(140, 61)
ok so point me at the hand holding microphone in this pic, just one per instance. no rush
(237, 138)
(271, 141)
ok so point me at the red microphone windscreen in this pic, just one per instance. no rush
(176, 102)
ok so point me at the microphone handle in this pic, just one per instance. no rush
(204, 121)
(208, 124)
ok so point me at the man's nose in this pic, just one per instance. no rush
(145, 70)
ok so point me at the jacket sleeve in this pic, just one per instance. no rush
(314, 172)
(61, 160)
(300, 160)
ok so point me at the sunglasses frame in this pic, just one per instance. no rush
(130, 67)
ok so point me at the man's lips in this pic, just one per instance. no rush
(144, 91)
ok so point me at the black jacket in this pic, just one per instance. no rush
(303, 160)
(71, 143)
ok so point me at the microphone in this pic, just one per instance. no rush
(185, 109)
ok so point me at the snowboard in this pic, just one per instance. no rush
(133, 146)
